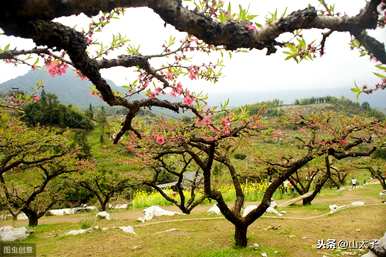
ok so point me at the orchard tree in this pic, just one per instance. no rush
(32, 164)
(179, 146)
(104, 184)
(113, 172)
(36, 190)
(211, 26)
(175, 165)
(339, 174)
(376, 165)
(303, 180)
(327, 136)
(377, 171)
(22, 147)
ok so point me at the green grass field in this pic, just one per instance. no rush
(294, 235)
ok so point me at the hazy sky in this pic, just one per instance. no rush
(252, 71)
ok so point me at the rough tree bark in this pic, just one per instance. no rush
(18, 16)
(378, 175)
(240, 223)
(241, 235)
(33, 217)
(319, 185)
(33, 19)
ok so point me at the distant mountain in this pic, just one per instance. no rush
(376, 100)
(69, 88)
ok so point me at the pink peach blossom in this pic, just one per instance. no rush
(159, 139)
(251, 27)
(56, 68)
(193, 72)
(188, 99)
(36, 98)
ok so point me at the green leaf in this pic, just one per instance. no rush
(126, 86)
(222, 17)
(381, 67)
(357, 91)
(379, 75)
(36, 61)
(229, 9)
(7, 46)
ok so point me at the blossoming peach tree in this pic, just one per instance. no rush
(177, 148)
(211, 26)
(327, 137)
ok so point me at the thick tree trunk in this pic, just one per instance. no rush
(378, 175)
(381, 180)
(383, 183)
(103, 206)
(241, 236)
(104, 203)
(33, 217)
(318, 188)
(33, 221)
(336, 184)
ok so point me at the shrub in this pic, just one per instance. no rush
(240, 156)
(86, 223)
(48, 111)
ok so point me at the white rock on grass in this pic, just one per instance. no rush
(270, 209)
(121, 206)
(128, 229)
(214, 210)
(84, 208)
(255, 246)
(9, 233)
(21, 216)
(274, 211)
(155, 211)
(91, 208)
(248, 209)
(103, 215)
(78, 232)
(61, 212)
(358, 203)
(71, 211)
(334, 208)
(273, 205)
